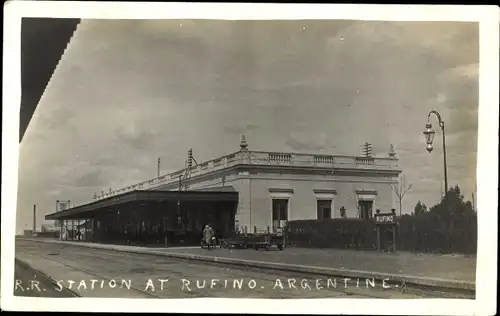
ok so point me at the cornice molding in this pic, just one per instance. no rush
(290, 170)
(325, 191)
(281, 190)
(366, 192)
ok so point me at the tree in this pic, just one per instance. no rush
(453, 213)
(400, 189)
(453, 204)
(420, 209)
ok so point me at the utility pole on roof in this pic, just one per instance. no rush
(367, 149)
(190, 158)
(187, 171)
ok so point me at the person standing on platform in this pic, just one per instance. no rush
(207, 235)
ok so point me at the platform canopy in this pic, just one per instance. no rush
(138, 197)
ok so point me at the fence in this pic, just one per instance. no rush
(414, 233)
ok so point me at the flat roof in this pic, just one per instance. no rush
(143, 195)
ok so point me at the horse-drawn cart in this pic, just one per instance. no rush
(256, 241)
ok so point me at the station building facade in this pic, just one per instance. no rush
(276, 187)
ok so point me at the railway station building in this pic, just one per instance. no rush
(244, 191)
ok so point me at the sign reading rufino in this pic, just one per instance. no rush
(385, 218)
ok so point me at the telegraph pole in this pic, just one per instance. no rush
(34, 218)
(158, 171)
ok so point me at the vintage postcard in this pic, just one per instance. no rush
(247, 158)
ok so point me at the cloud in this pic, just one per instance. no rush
(468, 72)
(302, 141)
(138, 138)
(239, 129)
(128, 92)
(90, 179)
(463, 120)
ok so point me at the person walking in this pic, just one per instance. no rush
(207, 236)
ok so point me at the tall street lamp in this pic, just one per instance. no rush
(429, 136)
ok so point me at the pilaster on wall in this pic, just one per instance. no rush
(244, 210)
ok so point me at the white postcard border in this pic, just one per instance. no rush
(487, 173)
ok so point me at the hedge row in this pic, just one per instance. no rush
(434, 234)
(332, 233)
(418, 234)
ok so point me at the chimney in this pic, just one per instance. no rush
(392, 152)
(243, 143)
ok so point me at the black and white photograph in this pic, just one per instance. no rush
(277, 159)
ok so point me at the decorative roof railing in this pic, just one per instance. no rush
(265, 159)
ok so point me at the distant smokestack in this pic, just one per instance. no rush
(34, 218)
(158, 169)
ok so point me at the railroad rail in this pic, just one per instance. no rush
(346, 291)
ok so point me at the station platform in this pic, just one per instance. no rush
(447, 271)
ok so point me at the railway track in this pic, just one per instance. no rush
(263, 274)
(347, 291)
(92, 273)
(24, 272)
(421, 290)
(436, 292)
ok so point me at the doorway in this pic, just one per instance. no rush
(365, 210)
(324, 209)
(280, 213)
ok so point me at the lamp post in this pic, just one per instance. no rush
(429, 136)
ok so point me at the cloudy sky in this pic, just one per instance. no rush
(127, 92)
